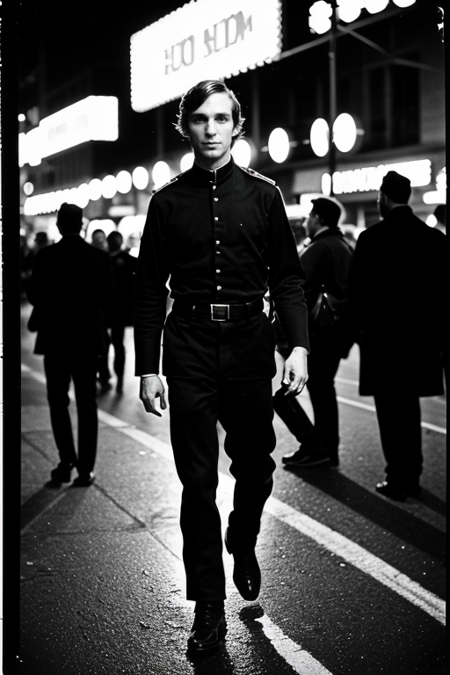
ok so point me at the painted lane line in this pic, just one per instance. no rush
(325, 536)
(299, 659)
(371, 408)
(360, 558)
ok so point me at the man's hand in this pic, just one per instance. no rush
(296, 371)
(152, 388)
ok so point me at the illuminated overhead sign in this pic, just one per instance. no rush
(370, 177)
(95, 118)
(202, 40)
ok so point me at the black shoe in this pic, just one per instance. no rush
(391, 490)
(246, 574)
(84, 480)
(209, 627)
(306, 458)
(62, 473)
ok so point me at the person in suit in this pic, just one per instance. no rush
(71, 290)
(326, 261)
(124, 271)
(220, 233)
(398, 308)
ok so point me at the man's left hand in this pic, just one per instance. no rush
(296, 371)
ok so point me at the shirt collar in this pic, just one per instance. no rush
(214, 177)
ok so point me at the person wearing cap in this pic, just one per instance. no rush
(219, 237)
(398, 308)
(71, 291)
(326, 262)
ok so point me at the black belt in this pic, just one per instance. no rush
(218, 312)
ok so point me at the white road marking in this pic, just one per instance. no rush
(371, 408)
(299, 659)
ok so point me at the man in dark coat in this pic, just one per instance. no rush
(71, 290)
(398, 307)
(221, 234)
(124, 272)
(326, 262)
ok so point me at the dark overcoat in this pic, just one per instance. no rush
(71, 290)
(399, 305)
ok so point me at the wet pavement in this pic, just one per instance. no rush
(352, 583)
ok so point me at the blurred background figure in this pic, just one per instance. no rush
(40, 241)
(70, 289)
(326, 262)
(398, 308)
(99, 239)
(133, 244)
(440, 213)
(124, 271)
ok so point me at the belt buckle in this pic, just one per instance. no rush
(220, 312)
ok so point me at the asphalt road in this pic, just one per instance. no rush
(353, 583)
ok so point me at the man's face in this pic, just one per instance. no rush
(382, 206)
(312, 224)
(211, 131)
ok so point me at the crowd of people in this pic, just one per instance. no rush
(252, 322)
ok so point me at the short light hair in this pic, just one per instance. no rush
(196, 96)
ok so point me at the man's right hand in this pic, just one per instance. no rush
(152, 388)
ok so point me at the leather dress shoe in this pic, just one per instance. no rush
(209, 627)
(306, 458)
(84, 480)
(391, 490)
(246, 574)
(62, 473)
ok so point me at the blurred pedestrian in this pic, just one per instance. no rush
(326, 262)
(218, 234)
(441, 217)
(398, 303)
(124, 271)
(71, 289)
(98, 239)
(40, 241)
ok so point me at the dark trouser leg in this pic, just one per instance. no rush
(246, 414)
(401, 435)
(117, 338)
(103, 368)
(84, 379)
(193, 423)
(288, 408)
(323, 363)
(58, 375)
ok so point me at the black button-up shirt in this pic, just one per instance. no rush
(217, 237)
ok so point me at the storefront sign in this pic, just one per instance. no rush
(95, 118)
(369, 178)
(202, 40)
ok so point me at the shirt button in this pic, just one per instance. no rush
(216, 199)
(216, 218)
(214, 187)
(217, 271)
(219, 288)
(217, 241)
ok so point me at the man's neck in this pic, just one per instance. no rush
(202, 164)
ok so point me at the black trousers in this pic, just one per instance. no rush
(401, 435)
(244, 408)
(60, 369)
(323, 364)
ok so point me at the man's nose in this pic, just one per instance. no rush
(210, 128)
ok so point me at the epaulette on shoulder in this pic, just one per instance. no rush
(172, 180)
(255, 174)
